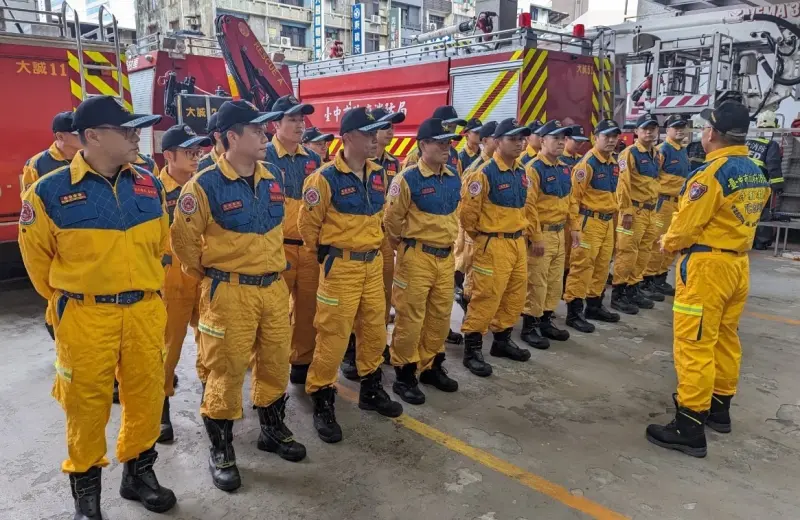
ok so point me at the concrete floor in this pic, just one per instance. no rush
(559, 437)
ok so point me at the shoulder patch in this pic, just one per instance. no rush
(187, 203)
(311, 196)
(475, 188)
(580, 175)
(394, 189)
(623, 164)
(27, 215)
(697, 190)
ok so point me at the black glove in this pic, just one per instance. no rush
(322, 252)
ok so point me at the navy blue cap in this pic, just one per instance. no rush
(361, 120)
(381, 114)
(731, 118)
(607, 126)
(182, 136)
(211, 124)
(313, 135)
(535, 126)
(242, 112)
(676, 121)
(107, 110)
(578, 134)
(289, 105)
(487, 130)
(554, 127)
(448, 115)
(473, 125)
(432, 129)
(646, 119)
(509, 127)
(63, 122)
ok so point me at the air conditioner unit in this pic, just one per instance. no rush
(286, 41)
(375, 19)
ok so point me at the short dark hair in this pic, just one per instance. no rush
(237, 129)
(213, 139)
(82, 137)
(732, 140)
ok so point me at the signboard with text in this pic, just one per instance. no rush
(195, 109)
(358, 28)
(395, 27)
(319, 29)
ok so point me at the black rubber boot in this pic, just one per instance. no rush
(530, 334)
(575, 317)
(50, 330)
(549, 330)
(298, 374)
(637, 297)
(374, 398)
(473, 357)
(662, 286)
(406, 384)
(86, 493)
(222, 458)
(387, 356)
(719, 419)
(115, 395)
(437, 377)
(167, 435)
(502, 346)
(275, 436)
(459, 278)
(174, 380)
(454, 338)
(621, 301)
(139, 483)
(348, 365)
(595, 310)
(648, 290)
(325, 416)
(685, 433)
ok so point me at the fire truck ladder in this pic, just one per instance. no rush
(101, 34)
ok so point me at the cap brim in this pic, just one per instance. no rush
(522, 130)
(394, 118)
(302, 108)
(649, 122)
(378, 125)
(677, 124)
(266, 117)
(141, 121)
(564, 130)
(579, 138)
(615, 130)
(455, 121)
(321, 138)
(445, 137)
(199, 140)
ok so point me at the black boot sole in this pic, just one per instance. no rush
(503, 354)
(410, 400)
(273, 447)
(615, 319)
(625, 310)
(581, 328)
(646, 306)
(454, 340)
(656, 297)
(694, 452)
(330, 439)
(537, 343)
(166, 436)
(719, 427)
(448, 389)
(129, 494)
(562, 336)
(386, 413)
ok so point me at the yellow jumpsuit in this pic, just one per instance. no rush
(302, 274)
(182, 299)
(465, 250)
(391, 166)
(342, 220)
(637, 195)
(713, 230)
(593, 204)
(231, 238)
(551, 185)
(496, 206)
(421, 219)
(570, 160)
(93, 250)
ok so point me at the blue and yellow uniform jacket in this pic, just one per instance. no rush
(41, 164)
(674, 162)
(467, 156)
(209, 159)
(551, 185)
(294, 168)
(146, 162)
(594, 187)
(638, 180)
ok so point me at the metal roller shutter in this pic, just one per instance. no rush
(486, 92)
(142, 82)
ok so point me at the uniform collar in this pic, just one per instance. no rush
(675, 144)
(728, 151)
(427, 171)
(485, 157)
(341, 165)
(642, 148)
(502, 165)
(55, 152)
(140, 160)
(384, 156)
(78, 169)
(542, 157)
(572, 155)
(530, 151)
(170, 184)
(283, 151)
(214, 155)
(600, 158)
(472, 152)
(228, 171)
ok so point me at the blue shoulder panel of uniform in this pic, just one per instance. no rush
(437, 194)
(292, 170)
(738, 173)
(351, 196)
(205, 162)
(605, 176)
(236, 208)
(507, 189)
(554, 180)
(46, 163)
(645, 163)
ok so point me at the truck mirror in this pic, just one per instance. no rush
(644, 41)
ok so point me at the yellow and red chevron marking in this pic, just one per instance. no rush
(603, 111)
(399, 146)
(105, 83)
(533, 91)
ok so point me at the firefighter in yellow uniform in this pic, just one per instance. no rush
(229, 236)
(342, 222)
(472, 144)
(91, 236)
(422, 223)
(181, 293)
(211, 158)
(534, 144)
(551, 184)
(318, 142)
(713, 230)
(496, 206)
(295, 163)
(573, 152)
(592, 206)
(674, 169)
(451, 121)
(637, 198)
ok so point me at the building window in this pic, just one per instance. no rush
(297, 35)
(373, 7)
(438, 21)
(373, 42)
(409, 17)
(332, 35)
(298, 3)
(173, 25)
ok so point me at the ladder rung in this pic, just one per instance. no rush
(90, 66)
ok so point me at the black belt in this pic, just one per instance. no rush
(123, 298)
(553, 227)
(292, 242)
(643, 205)
(596, 214)
(511, 236)
(166, 260)
(358, 256)
(698, 248)
(439, 252)
(263, 280)
(668, 197)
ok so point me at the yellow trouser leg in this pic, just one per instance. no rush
(590, 260)
(466, 264)
(181, 300)
(302, 279)
(388, 274)
(649, 236)
(659, 262)
(711, 288)
(629, 242)
(545, 276)
(602, 261)
(458, 249)
(271, 352)
(347, 288)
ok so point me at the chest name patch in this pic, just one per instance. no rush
(232, 205)
(347, 191)
(504, 186)
(551, 178)
(429, 190)
(72, 197)
(146, 191)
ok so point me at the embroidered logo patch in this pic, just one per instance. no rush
(276, 197)
(143, 180)
(394, 189)
(72, 197)
(566, 171)
(580, 175)
(173, 202)
(347, 191)
(311, 197)
(392, 167)
(504, 186)
(697, 190)
(601, 175)
(525, 181)
(310, 167)
(474, 188)
(616, 171)
(428, 190)
(274, 187)
(187, 204)
(27, 215)
(147, 191)
(377, 183)
(623, 163)
(232, 205)
(551, 178)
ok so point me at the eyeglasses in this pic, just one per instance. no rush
(127, 133)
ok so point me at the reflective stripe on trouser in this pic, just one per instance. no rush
(634, 246)
(499, 279)
(350, 288)
(546, 276)
(301, 279)
(423, 296)
(659, 262)
(710, 293)
(388, 274)
(243, 326)
(588, 269)
(93, 341)
(182, 300)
